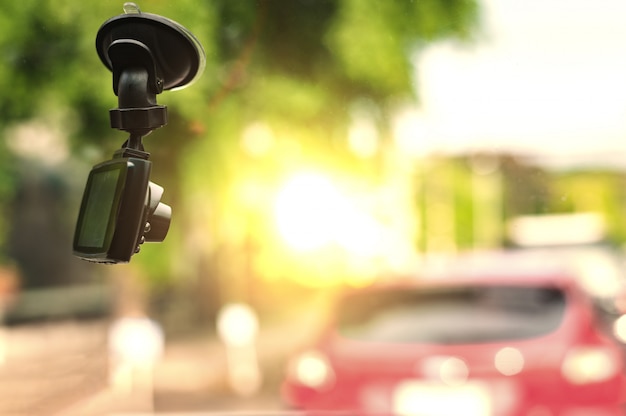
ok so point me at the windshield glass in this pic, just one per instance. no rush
(317, 146)
(457, 315)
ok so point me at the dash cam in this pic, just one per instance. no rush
(121, 209)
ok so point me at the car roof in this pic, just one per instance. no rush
(514, 267)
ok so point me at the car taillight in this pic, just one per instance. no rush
(584, 365)
(312, 369)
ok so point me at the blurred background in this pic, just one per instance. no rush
(327, 143)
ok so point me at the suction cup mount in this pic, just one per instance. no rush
(147, 54)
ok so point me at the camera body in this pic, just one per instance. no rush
(120, 210)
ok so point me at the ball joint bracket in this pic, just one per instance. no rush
(146, 54)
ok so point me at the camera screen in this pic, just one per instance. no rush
(99, 209)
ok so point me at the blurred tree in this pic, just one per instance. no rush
(53, 86)
(595, 190)
(295, 66)
(283, 82)
(527, 188)
(39, 233)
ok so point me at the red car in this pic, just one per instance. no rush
(470, 343)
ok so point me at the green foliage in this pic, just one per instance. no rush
(278, 53)
(374, 40)
(46, 52)
(296, 65)
(527, 190)
(594, 191)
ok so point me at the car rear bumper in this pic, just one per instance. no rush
(478, 398)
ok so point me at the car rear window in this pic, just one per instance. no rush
(451, 315)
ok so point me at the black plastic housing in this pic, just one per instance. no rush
(115, 210)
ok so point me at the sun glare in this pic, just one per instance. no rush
(312, 212)
(337, 228)
(304, 211)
